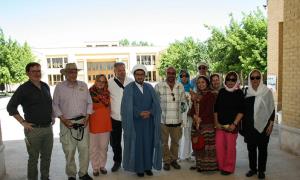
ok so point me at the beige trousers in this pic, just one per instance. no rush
(170, 153)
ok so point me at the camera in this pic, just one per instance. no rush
(76, 126)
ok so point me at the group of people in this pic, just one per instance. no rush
(177, 119)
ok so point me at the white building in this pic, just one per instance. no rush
(97, 58)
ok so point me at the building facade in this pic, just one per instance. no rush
(284, 68)
(97, 58)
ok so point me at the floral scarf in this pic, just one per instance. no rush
(100, 95)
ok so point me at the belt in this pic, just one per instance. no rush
(173, 125)
(77, 118)
(40, 125)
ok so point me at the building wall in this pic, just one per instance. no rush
(284, 37)
(275, 19)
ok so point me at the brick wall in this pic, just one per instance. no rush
(291, 64)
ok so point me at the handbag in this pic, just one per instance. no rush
(198, 142)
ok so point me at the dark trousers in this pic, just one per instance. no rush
(115, 140)
(262, 156)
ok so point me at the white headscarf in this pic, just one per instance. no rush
(263, 104)
(237, 83)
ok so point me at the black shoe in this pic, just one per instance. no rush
(149, 172)
(103, 171)
(225, 173)
(116, 167)
(96, 173)
(193, 167)
(166, 166)
(251, 173)
(140, 174)
(199, 170)
(261, 175)
(71, 178)
(175, 165)
(86, 177)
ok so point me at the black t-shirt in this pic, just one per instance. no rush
(228, 105)
(36, 103)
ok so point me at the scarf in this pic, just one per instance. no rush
(235, 87)
(263, 104)
(100, 95)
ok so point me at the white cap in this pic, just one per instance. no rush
(139, 67)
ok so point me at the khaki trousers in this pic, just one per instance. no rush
(69, 145)
(170, 153)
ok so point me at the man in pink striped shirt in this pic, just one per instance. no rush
(72, 103)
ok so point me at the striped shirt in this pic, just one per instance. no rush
(171, 102)
(72, 101)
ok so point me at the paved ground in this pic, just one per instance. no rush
(281, 165)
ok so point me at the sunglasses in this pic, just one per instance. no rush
(182, 75)
(231, 79)
(202, 67)
(173, 96)
(255, 77)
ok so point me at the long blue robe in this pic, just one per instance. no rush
(142, 142)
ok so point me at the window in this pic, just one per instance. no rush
(49, 62)
(57, 62)
(154, 75)
(55, 78)
(138, 59)
(148, 77)
(153, 59)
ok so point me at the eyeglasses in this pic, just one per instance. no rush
(101, 81)
(35, 71)
(183, 75)
(255, 77)
(202, 67)
(231, 79)
(173, 96)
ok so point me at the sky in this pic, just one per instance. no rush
(56, 23)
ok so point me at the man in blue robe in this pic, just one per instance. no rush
(141, 113)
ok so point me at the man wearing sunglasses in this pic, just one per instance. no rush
(172, 102)
(203, 71)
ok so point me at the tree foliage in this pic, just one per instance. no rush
(13, 59)
(183, 55)
(241, 47)
(126, 42)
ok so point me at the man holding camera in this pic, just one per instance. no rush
(72, 103)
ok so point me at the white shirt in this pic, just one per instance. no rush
(116, 94)
(140, 87)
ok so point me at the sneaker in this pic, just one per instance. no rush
(149, 172)
(261, 175)
(116, 167)
(193, 167)
(166, 166)
(86, 177)
(250, 173)
(175, 165)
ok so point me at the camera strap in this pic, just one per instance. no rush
(80, 133)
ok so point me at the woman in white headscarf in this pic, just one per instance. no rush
(258, 122)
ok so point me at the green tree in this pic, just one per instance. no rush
(126, 42)
(13, 59)
(184, 55)
(241, 47)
